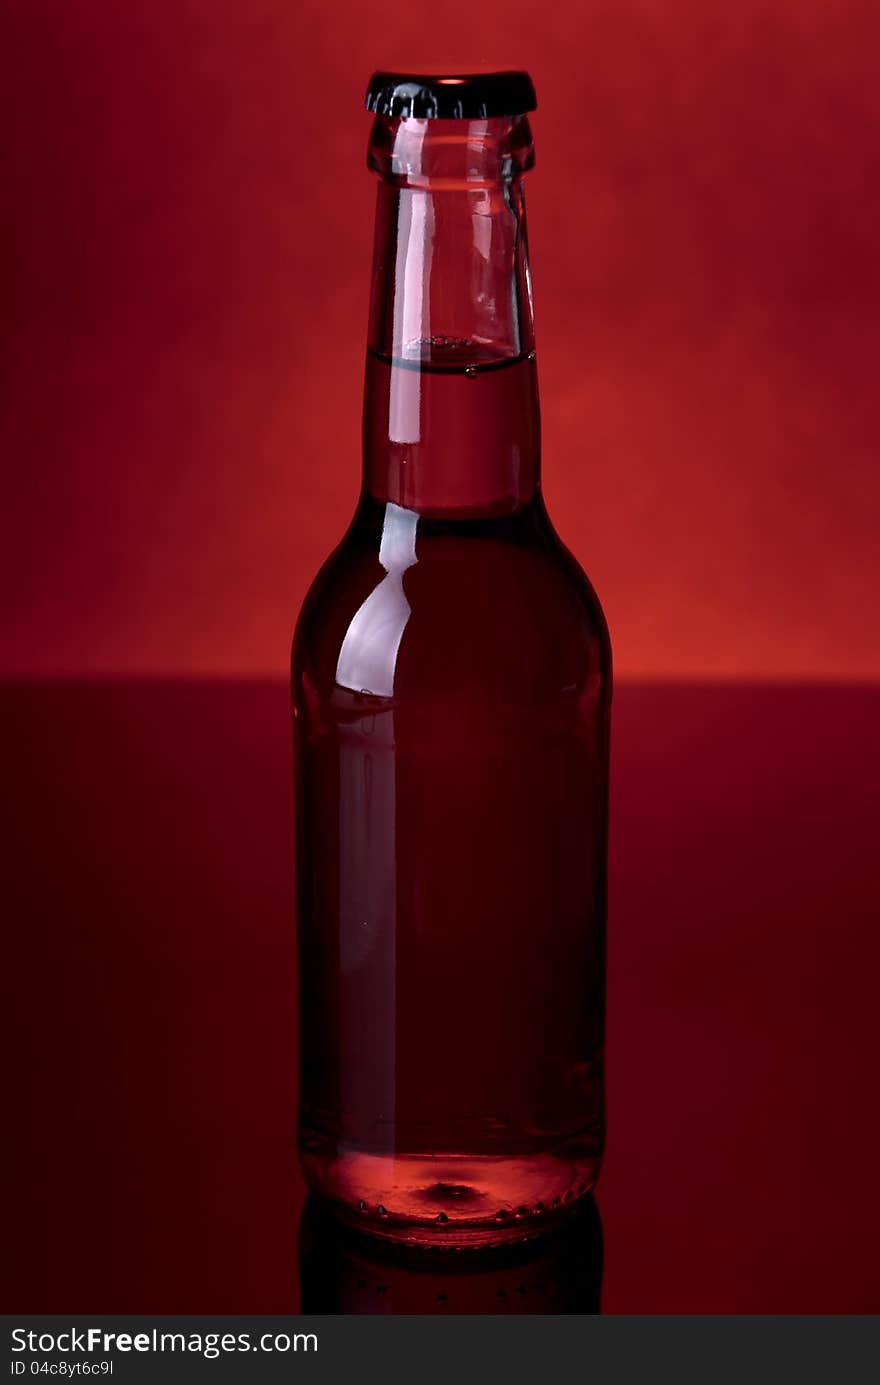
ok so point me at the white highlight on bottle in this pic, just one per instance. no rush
(368, 654)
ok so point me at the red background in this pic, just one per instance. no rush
(187, 214)
(186, 220)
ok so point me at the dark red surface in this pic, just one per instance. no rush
(151, 1025)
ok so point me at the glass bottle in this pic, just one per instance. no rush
(451, 685)
(342, 1272)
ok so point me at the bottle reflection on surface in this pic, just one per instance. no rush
(343, 1271)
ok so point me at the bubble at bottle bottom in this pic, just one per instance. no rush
(453, 1201)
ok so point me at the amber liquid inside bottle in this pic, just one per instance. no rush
(451, 685)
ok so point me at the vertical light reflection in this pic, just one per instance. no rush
(368, 843)
(368, 654)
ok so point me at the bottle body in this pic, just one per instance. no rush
(451, 872)
(451, 685)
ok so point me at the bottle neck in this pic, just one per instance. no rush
(451, 423)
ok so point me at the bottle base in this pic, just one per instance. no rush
(452, 1200)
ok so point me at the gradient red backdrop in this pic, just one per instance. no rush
(186, 220)
(187, 214)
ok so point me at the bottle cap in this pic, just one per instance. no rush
(470, 96)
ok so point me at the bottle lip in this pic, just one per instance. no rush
(450, 153)
(466, 96)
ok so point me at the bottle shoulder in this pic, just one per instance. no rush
(414, 606)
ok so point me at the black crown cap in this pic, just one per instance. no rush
(468, 96)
